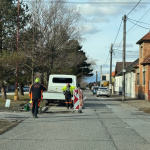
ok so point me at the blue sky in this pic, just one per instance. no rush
(101, 24)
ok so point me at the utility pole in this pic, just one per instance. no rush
(33, 54)
(33, 44)
(96, 77)
(124, 56)
(100, 75)
(16, 97)
(110, 81)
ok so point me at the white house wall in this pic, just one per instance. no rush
(118, 85)
(107, 78)
(130, 84)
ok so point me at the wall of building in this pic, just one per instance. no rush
(130, 84)
(142, 90)
(107, 78)
(118, 85)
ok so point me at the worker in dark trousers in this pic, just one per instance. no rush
(68, 92)
(35, 93)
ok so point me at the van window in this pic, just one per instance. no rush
(62, 80)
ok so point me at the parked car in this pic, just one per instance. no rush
(95, 90)
(103, 91)
(26, 88)
(87, 88)
(92, 88)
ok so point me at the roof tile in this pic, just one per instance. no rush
(144, 38)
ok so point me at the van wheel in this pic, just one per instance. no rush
(47, 103)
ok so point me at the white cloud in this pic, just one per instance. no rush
(97, 10)
(91, 29)
(129, 45)
(106, 10)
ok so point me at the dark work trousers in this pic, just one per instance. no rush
(35, 107)
(68, 100)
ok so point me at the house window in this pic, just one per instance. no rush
(104, 78)
(138, 78)
(144, 75)
(141, 51)
(144, 78)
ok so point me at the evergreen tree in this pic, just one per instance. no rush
(8, 31)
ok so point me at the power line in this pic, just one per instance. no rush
(118, 32)
(139, 25)
(139, 20)
(106, 60)
(77, 2)
(119, 44)
(134, 7)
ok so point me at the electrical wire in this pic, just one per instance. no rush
(77, 2)
(138, 20)
(139, 25)
(106, 60)
(134, 7)
(114, 41)
(119, 44)
(118, 32)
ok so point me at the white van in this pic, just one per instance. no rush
(55, 85)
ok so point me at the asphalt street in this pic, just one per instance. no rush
(105, 124)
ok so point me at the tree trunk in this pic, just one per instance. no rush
(21, 88)
(1, 26)
(42, 78)
(47, 76)
(3, 91)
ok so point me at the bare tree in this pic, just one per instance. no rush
(58, 24)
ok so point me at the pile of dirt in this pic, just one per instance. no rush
(142, 105)
(146, 110)
(6, 125)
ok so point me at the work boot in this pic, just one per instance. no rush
(35, 116)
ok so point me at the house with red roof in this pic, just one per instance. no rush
(142, 80)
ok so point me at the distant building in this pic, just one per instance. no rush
(104, 79)
(118, 77)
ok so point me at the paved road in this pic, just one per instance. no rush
(105, 124)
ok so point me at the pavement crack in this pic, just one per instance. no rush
(107, 132)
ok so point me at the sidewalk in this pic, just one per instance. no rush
(142, 105)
